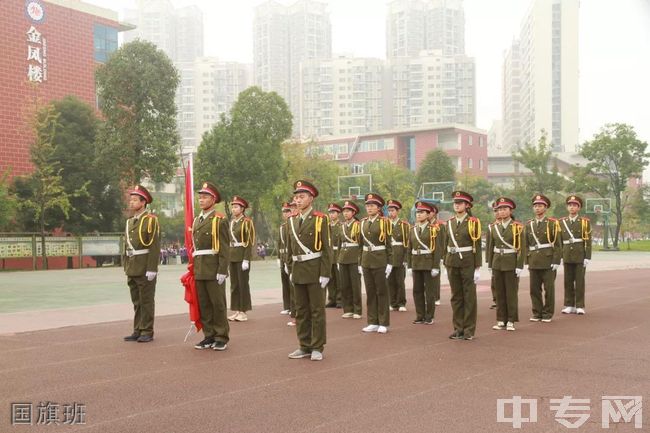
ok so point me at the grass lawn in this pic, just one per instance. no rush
(633, 246)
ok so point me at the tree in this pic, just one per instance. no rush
(136, 88)
(483, 192)
(394, 181)
(637, 212)
(545, 177)
(616, 155)
(7, 204)
(436, 167)
(81, 163)
(47, 191)
(242, 153)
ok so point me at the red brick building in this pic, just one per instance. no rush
(466, 145)
(50, 49)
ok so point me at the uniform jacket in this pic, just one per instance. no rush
(431, 238)
(283, 240)
(314, 235)
(547, 232)
(509, 237)
(378, 234)
(211, 234)
(335, 234)
(243, 232)
(400, 241)
(580, 229)
(144, 233)
(349, 233)
(463, 239)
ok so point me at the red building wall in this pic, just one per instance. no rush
(70, 71)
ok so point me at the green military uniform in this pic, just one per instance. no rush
(376, 255)
(283, 240)
(576, 248)
(309, 256)
(242, 239)
(504, 257)
(333, 287)
(464, 256)
(543, 247)
(424, 254)
(441, 243)
(348, 259)
(211, 247)
(142, 256)
(488, 247)
(400, 244)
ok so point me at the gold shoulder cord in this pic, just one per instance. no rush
(516, 235)
(474, 229)
(318, 235)
(216, 221)
(405, 239)
(556, 229)
(152, 227)
(434, 230)
(586, 229)
(250, 239)
(354, 231)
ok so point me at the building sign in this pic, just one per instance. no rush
(36, 44)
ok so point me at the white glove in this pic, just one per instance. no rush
(409, 271)
(406, 265)
(151, 275)
(435, 272)
(245, 265)
(221, 278)
(360, 270)
(389, 269)
(279, 263)
(286, 269)
(518, 272)
(554, 267)
(477, 275)
(323, 282)
(586, 262)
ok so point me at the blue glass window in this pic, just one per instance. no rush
(105, 42)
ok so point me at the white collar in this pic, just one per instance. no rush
(205, 215)
(462, 219)
(136, 217)
(504, 224)
(372, 220)
(304, 215)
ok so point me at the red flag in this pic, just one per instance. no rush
(187, 279)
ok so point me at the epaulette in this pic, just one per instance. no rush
(563, 218)
(294, 213)
(450, 219)
(551, 219)
(151, 215)
(472, 218)
(219, 215)
(529, 221)
(405, 222)
(319, 214)
(585, 218)
(364, 218)
(247, 219)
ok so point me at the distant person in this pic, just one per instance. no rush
(242, 240)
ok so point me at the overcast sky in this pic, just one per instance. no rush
(614, 48)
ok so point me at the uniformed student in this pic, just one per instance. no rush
(400, 245)
(283, 239)
(333, 289)
(576, 255)
(310, 266)
(506, 259)
(349, 268)
(376, 258)
(423, 259)
(211, 246)
(463, 262)
(140, 260)
(441, 245)
(543, 255)
(292, 307)
(487, 248)
(242, 240)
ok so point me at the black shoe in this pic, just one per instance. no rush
(493, 306)
(132, 337)
(206, 343)
(418, 321)
(145, 338)
(339, 305)
(330, 305)
(219, 345)
(428, 322)
(456, 336)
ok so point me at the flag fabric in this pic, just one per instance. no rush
(188, 281)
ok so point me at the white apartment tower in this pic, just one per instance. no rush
(546, 93)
